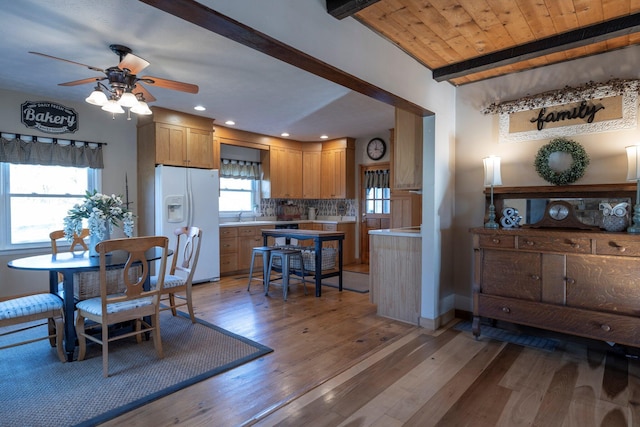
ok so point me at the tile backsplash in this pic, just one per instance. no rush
(324, 207)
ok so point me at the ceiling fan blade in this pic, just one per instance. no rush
(145, 93)
(82, 82)
(133, 63)
(170, 84)
(71, 62)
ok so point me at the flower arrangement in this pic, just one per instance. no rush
(101, 211)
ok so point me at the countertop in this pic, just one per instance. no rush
(402, 232)
(274, 221)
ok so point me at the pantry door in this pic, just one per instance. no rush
(375, 203)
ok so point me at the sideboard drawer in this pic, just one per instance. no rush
(572, 245)
(617, 246)
(497, 241)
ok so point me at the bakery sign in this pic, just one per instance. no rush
(49, 117)
(595, 107)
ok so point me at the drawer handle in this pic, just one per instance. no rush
(575, 245)
(506, 309)
(570, 281)
(605, 328)
(496, 241)
(535, 277)
(529, 243)
(618, 247)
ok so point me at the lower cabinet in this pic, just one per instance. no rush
(228, 249)
(575, 282)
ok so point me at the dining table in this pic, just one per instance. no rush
(69, 263)
(318, 237)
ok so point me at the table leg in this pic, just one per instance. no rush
(318, 248)
(340, 265)
(69, 311)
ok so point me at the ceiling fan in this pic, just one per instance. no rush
(124, 88)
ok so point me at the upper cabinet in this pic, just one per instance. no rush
(406, 153)
(311, 172)
(338, 169)
(177, 139)
(283, 172)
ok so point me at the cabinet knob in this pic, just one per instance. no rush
(535, 277)
(570, 281)
(575, 245)
(496, 241)
(529, 243)
(506, 309)
(605, 328)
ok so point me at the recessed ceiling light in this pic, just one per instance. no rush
(284, 134)
(230, 122)
(199, 108)
(324, 137)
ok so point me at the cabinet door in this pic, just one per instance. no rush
(285, 172)
(245, 248)
(293, 168)
(311, 174)
(328, 180)
(603, 283)
(406, 165)
(349, 243)
(171, 143)
(199, 149)
(512, 274)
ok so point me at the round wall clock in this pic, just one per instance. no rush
(376, 148)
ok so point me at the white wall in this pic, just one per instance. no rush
(119, 159)
(477, 137)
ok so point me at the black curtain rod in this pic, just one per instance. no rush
(54, 140)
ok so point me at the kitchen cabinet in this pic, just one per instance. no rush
(406, 151)
(574, 282)
(338, 169)
(406, 209)
(228, 249)
(284, 173)
(176, 139)
(395, 270)
(311, 174)
(236, 246)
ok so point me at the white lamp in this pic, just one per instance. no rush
(491, 178)
(128, 100)
(112, 106)
(141, 108)
(97, 97)
(633, 174)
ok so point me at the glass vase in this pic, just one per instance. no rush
(94, 240)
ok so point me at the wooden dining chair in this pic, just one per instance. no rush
(177, 284)
(132, 305)
(78, 240)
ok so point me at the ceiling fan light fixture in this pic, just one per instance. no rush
(97, 97)
(112, 106)
(141, 108)
(128, 100)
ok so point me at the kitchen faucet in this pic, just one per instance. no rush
(240, 217)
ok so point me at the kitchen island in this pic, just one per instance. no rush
(395, 270)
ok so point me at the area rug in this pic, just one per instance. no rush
(351, 281)
(38, 390)
(512, 337)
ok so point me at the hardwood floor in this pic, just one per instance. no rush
(336, 363)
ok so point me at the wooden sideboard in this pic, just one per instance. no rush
(575, 282)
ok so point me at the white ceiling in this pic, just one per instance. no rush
(259, 93)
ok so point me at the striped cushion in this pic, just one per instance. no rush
(170, 281)
(94, 305)
(30, 305)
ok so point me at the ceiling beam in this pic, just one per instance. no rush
(577, 38)
(344, 8)
(209, 19)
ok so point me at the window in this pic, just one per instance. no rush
(378, 200)
(36, 199)
(238, 195)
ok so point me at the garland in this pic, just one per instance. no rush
(568, 176)
(565, 95)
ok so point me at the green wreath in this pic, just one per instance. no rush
(571, 174)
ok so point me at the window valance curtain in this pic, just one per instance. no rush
(52, 152)
(377, 179)
(239, 169)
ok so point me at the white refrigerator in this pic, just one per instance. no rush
(189, 197)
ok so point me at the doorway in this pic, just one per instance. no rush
(375, 203)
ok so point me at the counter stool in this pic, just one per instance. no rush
(286, 256)
(266, 252)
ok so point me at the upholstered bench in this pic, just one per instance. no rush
(34, 307)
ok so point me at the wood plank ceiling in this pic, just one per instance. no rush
(464, 41)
